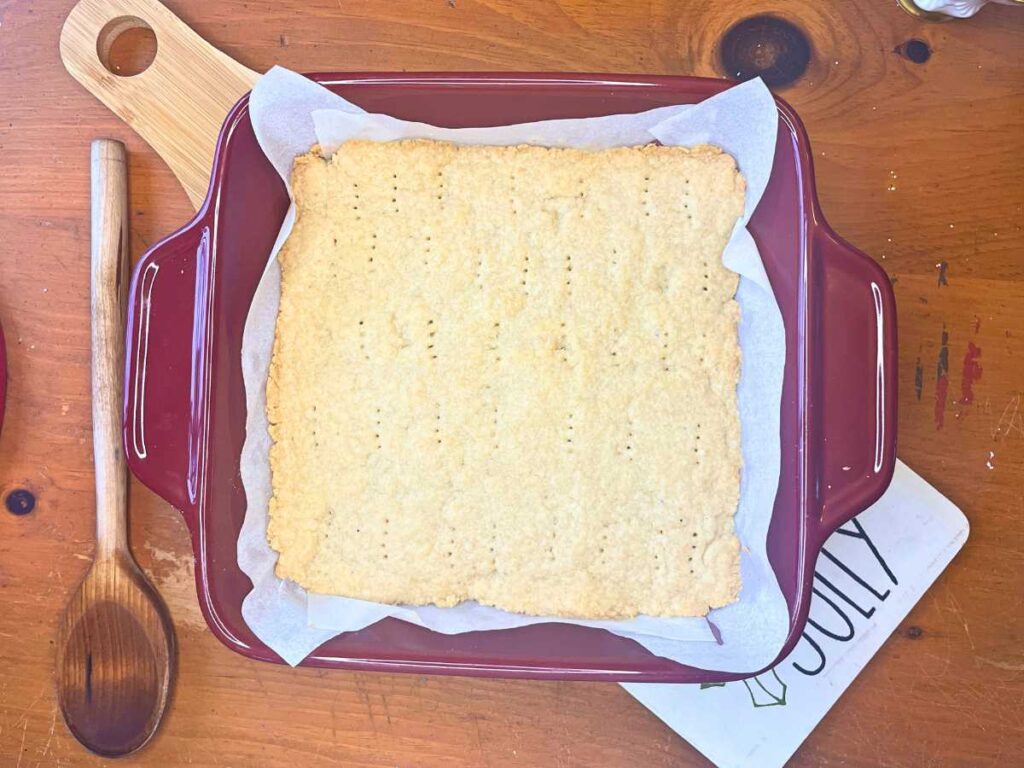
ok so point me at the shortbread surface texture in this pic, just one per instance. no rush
(508, 374)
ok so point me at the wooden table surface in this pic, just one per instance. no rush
(919, 163)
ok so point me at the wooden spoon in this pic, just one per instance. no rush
(115, 655)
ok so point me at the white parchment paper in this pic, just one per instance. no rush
(289, 115)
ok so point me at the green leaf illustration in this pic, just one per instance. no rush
(766, 690)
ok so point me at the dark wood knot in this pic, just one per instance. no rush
(917, 51)
(765, 46)
(20, 501)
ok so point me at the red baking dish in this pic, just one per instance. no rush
(185, 405)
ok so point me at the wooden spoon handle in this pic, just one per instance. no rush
(178, 103)
(109, 298)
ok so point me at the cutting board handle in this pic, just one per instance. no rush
(178, 103)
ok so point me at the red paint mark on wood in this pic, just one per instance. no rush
(942, 381)
(971, 373)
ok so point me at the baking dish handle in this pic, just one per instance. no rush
(164, 365)
(856, 324)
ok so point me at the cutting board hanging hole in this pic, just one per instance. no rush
(126, 46)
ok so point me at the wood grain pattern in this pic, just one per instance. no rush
(115, 644)
(902, 150)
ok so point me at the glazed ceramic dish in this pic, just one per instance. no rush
(185, 402)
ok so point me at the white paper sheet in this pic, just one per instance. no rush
(876, 569)
(289, 115)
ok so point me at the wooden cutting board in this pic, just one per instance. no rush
(178, 103)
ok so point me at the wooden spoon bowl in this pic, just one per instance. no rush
(115, 658)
